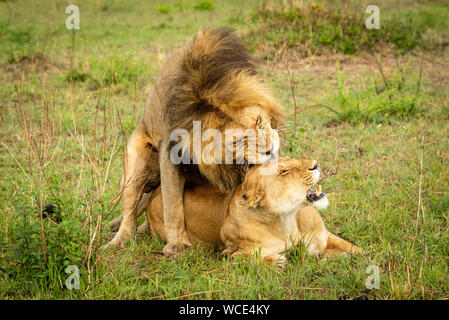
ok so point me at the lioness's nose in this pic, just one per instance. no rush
(315, 165)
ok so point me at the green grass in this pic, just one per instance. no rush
(204, 5)
(390, 98)
(316, 28)
(62, 143)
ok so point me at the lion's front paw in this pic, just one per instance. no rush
(174, 248)
(113, 244)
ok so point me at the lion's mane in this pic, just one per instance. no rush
(217, 76)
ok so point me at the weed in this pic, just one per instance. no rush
(204, 5)
(117, 71)
(18, 44)
(396, 98)
(313, 28)
(164, 9)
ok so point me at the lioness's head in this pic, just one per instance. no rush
(284, 192)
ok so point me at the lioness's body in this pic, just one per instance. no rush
(204, 212)
(265, 215)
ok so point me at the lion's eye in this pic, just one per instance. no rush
(283, 172)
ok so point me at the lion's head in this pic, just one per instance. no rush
(284, 192)
(218, 99)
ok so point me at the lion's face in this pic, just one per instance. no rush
(256, 139)
(286, 191)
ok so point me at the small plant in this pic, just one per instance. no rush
(204, 5)
(164, 9)
(378, 102)
(77, 76)
(18, 44)
(124, 71)
(404, 34)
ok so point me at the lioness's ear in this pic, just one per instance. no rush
(254, 191)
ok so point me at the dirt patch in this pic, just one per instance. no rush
(435, 66)
(37, 64)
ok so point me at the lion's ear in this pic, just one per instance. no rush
(254, 192)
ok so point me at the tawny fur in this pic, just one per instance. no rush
(265, 215)
(213, 80)
(216, 83)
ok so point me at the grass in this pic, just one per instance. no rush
(317, 28)
(70, 100)
(391, 98)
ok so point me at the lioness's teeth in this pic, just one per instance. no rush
(318, 191)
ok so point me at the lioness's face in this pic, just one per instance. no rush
(286, 191)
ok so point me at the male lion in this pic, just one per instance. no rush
(213, 80)
(265, 215)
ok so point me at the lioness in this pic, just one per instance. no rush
(266, 212)
(213, 81)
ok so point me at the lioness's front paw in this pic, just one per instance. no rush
(281, 262)
(276, 260)
(356, 250)
(228, 251)
(174, 248)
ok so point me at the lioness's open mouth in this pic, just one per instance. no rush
(317, 198)
(313, 196)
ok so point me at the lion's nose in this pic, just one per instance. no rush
(315, 166)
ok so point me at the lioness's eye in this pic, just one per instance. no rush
(285, 171)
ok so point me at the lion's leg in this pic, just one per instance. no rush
(114, 225)
(141, 171)
(337, 246)
(144, 228)
(141, 208)
(172, 188)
